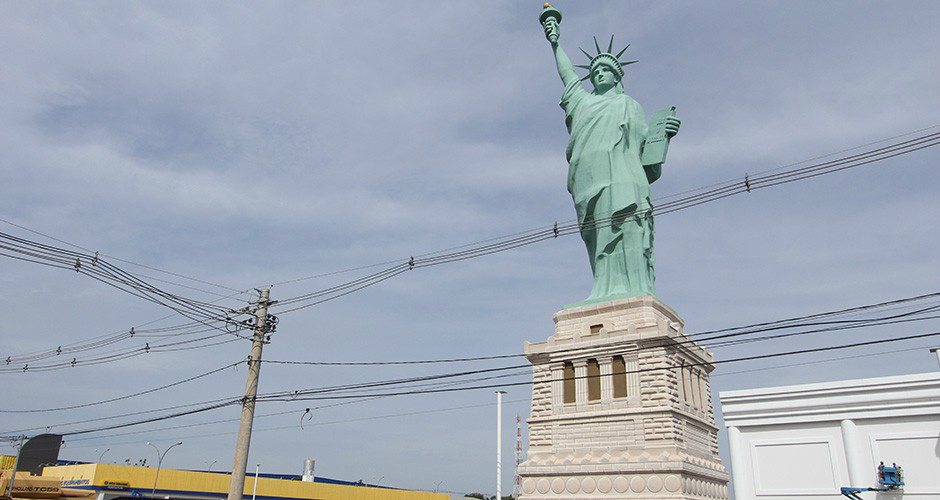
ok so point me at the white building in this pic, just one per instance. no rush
(807, 441)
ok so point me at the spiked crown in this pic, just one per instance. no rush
(606, 58)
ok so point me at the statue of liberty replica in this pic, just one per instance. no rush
(613, 157)
(621, 399)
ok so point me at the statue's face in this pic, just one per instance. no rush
(603, 77)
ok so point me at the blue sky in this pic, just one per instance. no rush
(247, 145)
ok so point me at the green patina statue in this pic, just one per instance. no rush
(613, 157)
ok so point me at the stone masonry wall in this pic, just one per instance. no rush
(658, 440)
(613, 431)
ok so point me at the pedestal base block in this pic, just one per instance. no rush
(621, 408)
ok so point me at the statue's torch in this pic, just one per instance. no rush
(550, 19)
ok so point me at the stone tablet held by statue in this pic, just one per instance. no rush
(657, 139)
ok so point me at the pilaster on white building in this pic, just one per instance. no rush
(807, 441)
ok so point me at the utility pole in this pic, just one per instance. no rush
(499, 443)
(237, 487)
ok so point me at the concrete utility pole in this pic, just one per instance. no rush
(237, 487)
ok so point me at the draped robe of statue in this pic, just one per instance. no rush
(611, 190)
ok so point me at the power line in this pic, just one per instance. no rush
(734, 360)
(383, 383)
(344, 387)
(400, 261)
(58, 240)
(66, 350)
(315, 423)
(155, 419)
(101, 270)
(658, 199)
(60, 258)
(529, 237)
(202, 313)
(210, 405)
(128, 396)
(838, 312)
(831, 325)
(808, 160)
(703, 336)
(294, 426)
(147, 348)
(111, 338)
(386, 363)
(360, 387)
(816, 362)
(232, 400)
(747, 185)
(869, 323)
(296, 395)
(280, 413)
(440, 410)
(745, 330)
(184, 426)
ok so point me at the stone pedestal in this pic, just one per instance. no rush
(621, 408)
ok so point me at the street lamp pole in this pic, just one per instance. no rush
(102, 455)
(499, 443)
(160, 456)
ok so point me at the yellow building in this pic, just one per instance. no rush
(111, 482)
(28, 486)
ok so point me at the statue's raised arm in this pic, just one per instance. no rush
(551, 18)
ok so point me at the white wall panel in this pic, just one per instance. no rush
(795, 467)
(917, 453)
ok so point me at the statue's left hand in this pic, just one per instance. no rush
(672, 126)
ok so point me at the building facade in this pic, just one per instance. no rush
(113, 482)
(807, 441)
